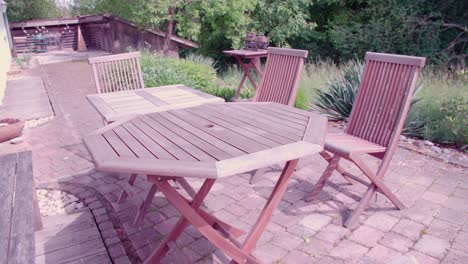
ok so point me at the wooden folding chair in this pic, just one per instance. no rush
(375, 124)
(119, 72)
(280, 81)
(122, 72)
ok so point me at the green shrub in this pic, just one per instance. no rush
(158, 70)
(446, 121)
(337, 100)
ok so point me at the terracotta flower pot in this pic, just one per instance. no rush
(12, 130)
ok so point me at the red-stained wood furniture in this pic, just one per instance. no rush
(280, 82)
(209, 142)
(248, 59)
(119, 72)
(375, 124)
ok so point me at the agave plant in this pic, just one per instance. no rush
(337, 100)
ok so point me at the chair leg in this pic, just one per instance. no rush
(332, 164)
(257, 175)
(376, 184)
(123, 196)
(339, 169)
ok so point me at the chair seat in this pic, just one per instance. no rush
(347, 144)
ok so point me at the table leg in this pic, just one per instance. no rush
(257, 65)
(271, 205)
(190, 214)
(239, 88)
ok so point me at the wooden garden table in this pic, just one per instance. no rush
(253, 58)
(210, 142)
(115, 105)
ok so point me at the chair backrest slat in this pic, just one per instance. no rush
(383, 99)
(282, 76)
(119, 72)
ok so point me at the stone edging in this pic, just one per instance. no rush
(111, 230)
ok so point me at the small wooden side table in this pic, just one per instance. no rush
(253, 58)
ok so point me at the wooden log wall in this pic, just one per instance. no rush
(66, 36)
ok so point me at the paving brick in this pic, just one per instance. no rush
(332, 233)
(397, 242)
(298, 257)
(202, 246)
(382, 222)
(349, 251)
(408, 228)
(366, 236)
(270, 253)
(316, 247)
(442, 189)
(442, 229)
(461, 242)
(458, 204)
(287, 240)
(452, 216)
(435, 197)
(432, 246)
(315, 221)
(422, 258)
(380, 254)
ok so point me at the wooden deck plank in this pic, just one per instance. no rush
(98, 258)
(64, 241)
(7, 171)
(72, 253)
(22, 220)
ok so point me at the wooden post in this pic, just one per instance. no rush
(81, 42)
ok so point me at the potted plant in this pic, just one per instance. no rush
(10, 128)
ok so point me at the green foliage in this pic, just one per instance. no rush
(158, 70)
(446, 121)
(337, 100)
(282, 20)
(19, 10)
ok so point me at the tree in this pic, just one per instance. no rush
(19, 10)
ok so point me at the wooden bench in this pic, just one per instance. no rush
(19, 214)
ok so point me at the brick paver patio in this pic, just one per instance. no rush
(434, 228)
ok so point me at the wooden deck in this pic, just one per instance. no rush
(71, 238)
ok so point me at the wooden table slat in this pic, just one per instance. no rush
(188, 134)
(284, 115)
(150, 97)
(115, 105)
(178, 140)
(132, 143)
(145, 140)
(260, 138)
(162, 141)
(239, 141)
(240, 124)
(276, 119)
(116, 143)
(255, 122)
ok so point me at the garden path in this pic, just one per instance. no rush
(434, 228)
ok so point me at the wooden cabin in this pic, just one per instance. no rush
(93, 32)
